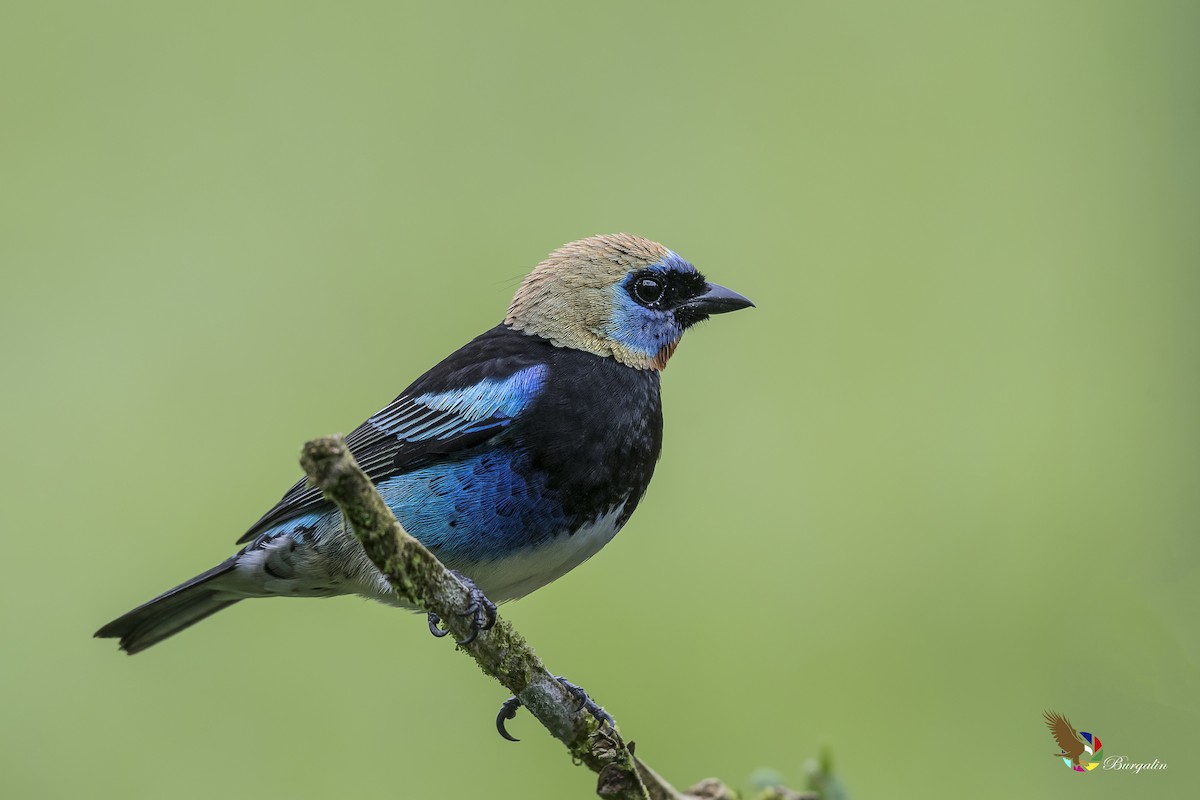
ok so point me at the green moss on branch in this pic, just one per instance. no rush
(501, 652)
(418, 577)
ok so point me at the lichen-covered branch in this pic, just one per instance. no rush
(418, 577)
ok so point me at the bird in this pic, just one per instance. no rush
(1070, 743)
(514, 460)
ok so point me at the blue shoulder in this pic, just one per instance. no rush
(489, 404)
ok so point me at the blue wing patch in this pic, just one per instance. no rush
(411, 429)
(490, 404)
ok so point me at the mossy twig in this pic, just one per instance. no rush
(419, 578)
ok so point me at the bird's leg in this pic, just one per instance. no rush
(509, 709)
(481, 611)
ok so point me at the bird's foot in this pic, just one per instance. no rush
(509, 709)
(482, 612)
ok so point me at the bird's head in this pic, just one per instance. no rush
(617, 295)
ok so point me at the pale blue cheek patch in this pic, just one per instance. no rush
(639, 329)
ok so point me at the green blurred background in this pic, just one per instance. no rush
(943, 478)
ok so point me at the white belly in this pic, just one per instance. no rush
(517, 575)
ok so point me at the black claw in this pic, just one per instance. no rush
(509, 709)
(588, 704)
(434, 621)
(489, 612)
(578, 693)
(480, 610)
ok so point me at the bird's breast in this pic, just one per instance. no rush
(595, 431)
(551, 490)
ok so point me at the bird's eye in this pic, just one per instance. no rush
(648, 290)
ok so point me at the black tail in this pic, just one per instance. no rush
(171, 612)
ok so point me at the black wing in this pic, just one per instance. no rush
(465, 401)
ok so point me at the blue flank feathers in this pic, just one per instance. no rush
(478, 508)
